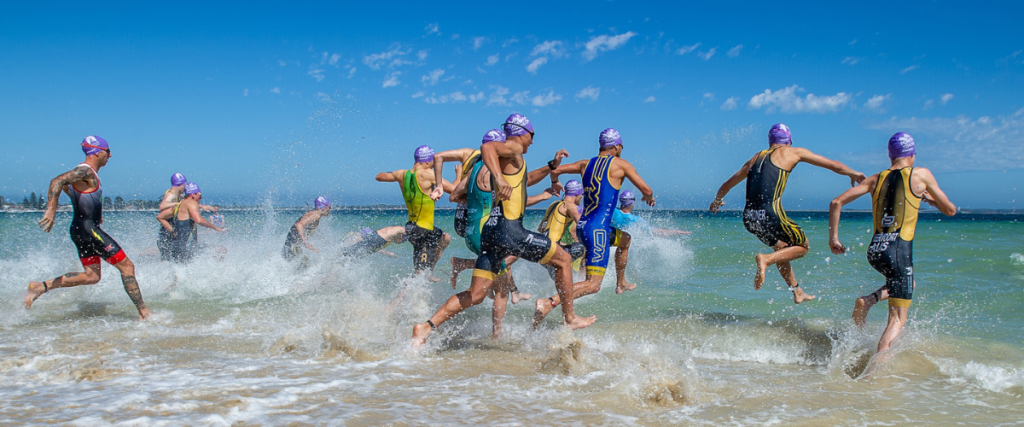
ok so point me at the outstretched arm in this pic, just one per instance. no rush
(193, 212)
(634, 177)
(933, 195)
(835, 210)
(81, 173)
(832, 165)
(736, 178)
(439, 160)
(538, 174)
(394, 176)
(533, 200)
(300, 227)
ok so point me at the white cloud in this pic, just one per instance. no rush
(475, 97)
(928, 104)
(908, 69)
(532, 68)
(710, 96)
(493, 59)
(334, 59)
(707, 55)
(432, 78)
(478, 41)
(351, 72)
(497, 97)
(510, 42)
(730, 104)
(734, 52)
(418, 94)
(589, 92)
(649, 99)
(548, 48)
(432, 28)
(317, 73)
(276, 90)
(851, 60)
(544, 100)
(876, 103)
(378, 60)
(687, 49)
(995, 143)
(604, 43)
(421, 55)
(946, 98)
(789, 102)
(392, 79)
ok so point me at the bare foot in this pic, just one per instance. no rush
(624, 287)
(543, 308)
(433, 279)
(519, 296)
(144, 314)
(762, 263)
(420, 332)
(35, 289)
(860, 311)
(800, 296)
(582, 322)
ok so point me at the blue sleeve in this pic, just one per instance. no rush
(619, 219)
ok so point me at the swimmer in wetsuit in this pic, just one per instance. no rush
(305, 225)
(602, 177)
(82, 185)
(766, 174)
(896, 195)
(559, 222)
(418, 186)
(623, 219)
(503, 233)
(373, 241)
(169, 200)
(181, 223)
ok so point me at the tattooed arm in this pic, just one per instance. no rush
(81, 173)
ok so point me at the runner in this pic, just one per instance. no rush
(896, 195)
(82, 185)
(602, 177)
(560, 220)
(766, 174)
(217, 219)
(418, 186)
(305, 225)
(170, 199)
(503, 233)
(371, 241)
(181, 223)
(623, 218)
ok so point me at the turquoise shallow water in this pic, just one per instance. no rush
(244, 337)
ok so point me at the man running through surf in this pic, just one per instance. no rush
(82, 185)
(896, 196)
(766, 174)
(602, 177)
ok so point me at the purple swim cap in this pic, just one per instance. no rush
(517, 124)
(610, 138)
(178, 179)
(366, 232)
(192, 188)
(626, 199)
(321, 202)
(494, 135)
(573, 188)
(93, 144)
(779, 134)
(424, 154)
(901, 145)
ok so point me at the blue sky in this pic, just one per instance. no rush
(282, 103)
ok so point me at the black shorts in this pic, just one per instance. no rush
(501, 238)
(93, 244)
(894, 258)
(424, 245)
(575, 250)
(163, 243)
(772, 227)
(461, 218)
(370, 244)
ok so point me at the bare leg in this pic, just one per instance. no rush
(621, 258)
(502, 289)
(864, 303)
(476, 293)
(459, 264)
(897, 318)
(131, 286)
(589, 286)
(787, 274)
(442, 245)
(783, 253)
(91, 276)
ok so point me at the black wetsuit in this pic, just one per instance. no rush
(293, 243)
(92, 242)
(184, 241)
(368, 245)
(895, 208)
(763, 215)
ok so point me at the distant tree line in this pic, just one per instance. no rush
(117, 203)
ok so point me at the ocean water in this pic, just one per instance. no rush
(241, 337)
